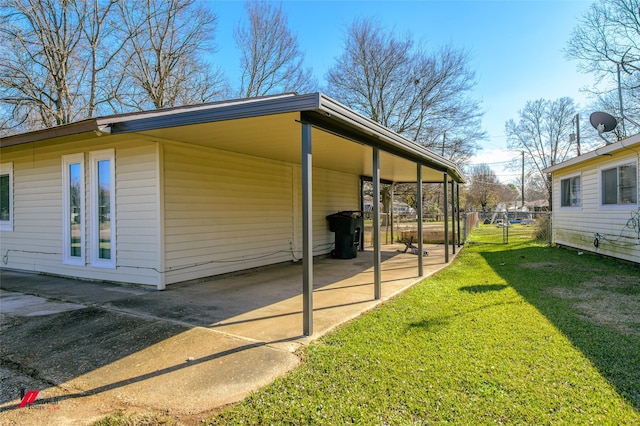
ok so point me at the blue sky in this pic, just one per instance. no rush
(516, 48)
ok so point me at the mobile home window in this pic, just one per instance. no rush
(6, 197)
(73, 249)
(571, 193)
(620, 185)
(103, 221)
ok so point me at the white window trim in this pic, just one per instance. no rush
(579, 207)
(7, 225)
(94, 157)
(615, 166)
(67, 160)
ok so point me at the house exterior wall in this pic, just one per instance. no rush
(36, 241)
(579, 227)
(225, 212)
(332, 192)
(182, 212)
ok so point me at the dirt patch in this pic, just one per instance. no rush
(612, 301)
(541, 265)
(557, 265)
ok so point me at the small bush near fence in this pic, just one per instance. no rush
(542, 228)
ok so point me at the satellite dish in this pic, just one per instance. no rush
(603, 122)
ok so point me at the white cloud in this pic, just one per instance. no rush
(499, 159)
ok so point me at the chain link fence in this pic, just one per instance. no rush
(501, 228)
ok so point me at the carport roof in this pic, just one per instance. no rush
(267, 127)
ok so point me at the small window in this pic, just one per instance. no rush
(73, 247)
(6, 197)
(103, 221)
(571, 192)
(619, 185)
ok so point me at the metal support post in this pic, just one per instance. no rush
(453, 218)
(377, 274)
(446, 218)
(420, 231)
(307, 232)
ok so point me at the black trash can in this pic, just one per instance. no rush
(348, 227)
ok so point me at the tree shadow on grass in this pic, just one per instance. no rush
(537, 273)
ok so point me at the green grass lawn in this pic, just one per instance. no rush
(508, 334)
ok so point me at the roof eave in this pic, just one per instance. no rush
(170, 117)
(386, 137)
(325, 109)
(598, 152)
(95, 125)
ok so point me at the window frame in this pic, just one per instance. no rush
(570, 178)
(601, 194)
(94, 209)
(7, 225)
(67, 258)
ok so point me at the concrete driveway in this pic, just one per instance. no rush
(92, 348)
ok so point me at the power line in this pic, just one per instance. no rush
(496, 162)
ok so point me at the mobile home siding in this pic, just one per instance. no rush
(580, 227)
(36, 241)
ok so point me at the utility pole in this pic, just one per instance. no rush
(624, 132)
(577, 134)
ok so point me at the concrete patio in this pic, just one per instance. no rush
(91, 348)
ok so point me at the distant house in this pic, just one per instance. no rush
(595, 201)
(164, 196)
(541, 205)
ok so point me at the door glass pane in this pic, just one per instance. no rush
(104, 209)
(5, 214)
(75, 210)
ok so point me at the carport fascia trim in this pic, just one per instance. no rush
(345, 123)
(236, 110)
(314, 108)
(174, 117)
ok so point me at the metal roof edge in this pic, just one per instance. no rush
(332, 107)
(182, 115)
(244, 108)
(84, 126)
(603, 150)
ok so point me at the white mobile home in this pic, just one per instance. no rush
(164, 196)
(595, 201)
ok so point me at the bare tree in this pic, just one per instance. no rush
(535, 187)
(419, 95)
(606, 42)
(416, 94)
(38, 59)
(271, 61)
(164, 57)
(103, 47)
(482, 189)
(543, 133)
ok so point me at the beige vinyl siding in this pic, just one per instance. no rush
(332, 192)
(137, 227)
(578, 227)
(36, 243)
(224, 212)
